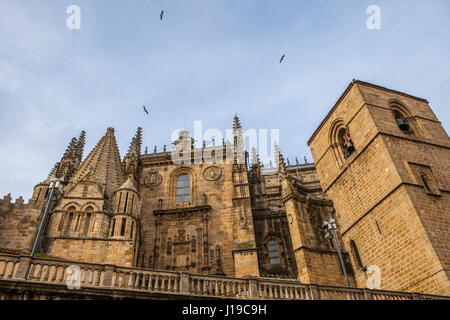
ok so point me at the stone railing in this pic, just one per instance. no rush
(106, 281)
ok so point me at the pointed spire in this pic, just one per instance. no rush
(68, 163)
(53, 171)
(255, 161)
(71, 149)
(135, 145)
(103, 164)
(80, 146)
(236, 122)
(281, 164)
(129, 184)
(276, 153)
(239, 145)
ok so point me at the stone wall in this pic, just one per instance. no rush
(400, 230)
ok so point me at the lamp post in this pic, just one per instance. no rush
(54, 183)
(331, 226)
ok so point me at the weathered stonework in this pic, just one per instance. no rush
(191, 221)
(391, 194)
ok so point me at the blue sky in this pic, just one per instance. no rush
(207, 60)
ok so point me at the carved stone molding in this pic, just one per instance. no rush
(152, 179)
(212, 173)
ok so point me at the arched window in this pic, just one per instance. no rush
(341, 143)
(183, 189)
(71, 212)
(356, 254)
(274, 254)
(87, 220)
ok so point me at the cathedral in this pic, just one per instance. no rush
(381, 170)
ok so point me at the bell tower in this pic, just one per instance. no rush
(382, 158)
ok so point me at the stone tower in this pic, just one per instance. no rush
(383, 159)
(95, 218)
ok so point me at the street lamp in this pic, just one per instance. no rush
(331, 226)
(54, 183)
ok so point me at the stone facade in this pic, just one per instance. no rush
(239, 219)
(389, 186)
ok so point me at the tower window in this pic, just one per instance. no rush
(425, 183)
(61, 222)
(132, 204)
(131, 232)
(401, 122)
(356, 254)
(274, 254)
(87, 221)
(126, 203)
(38, 193)
(346, 142)
(122, 230)
(183, 189)
(113, 227)
(69, 221)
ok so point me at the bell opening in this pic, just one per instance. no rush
(350, 148)
(402, 125)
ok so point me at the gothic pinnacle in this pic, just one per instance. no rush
(276, 152)
(80, 146)
(236, 123)
(281, 164)
(136, 143)
(255, 158)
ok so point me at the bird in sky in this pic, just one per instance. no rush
(161, 15)
(282, 58)
(145, 110)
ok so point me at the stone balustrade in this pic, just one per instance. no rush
(108, 281)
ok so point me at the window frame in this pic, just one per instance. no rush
(273, 244)
(185, 196)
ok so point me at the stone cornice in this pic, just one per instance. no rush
(183, 210)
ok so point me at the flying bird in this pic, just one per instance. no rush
(145, 110)
(161, 15)
(282, 58)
